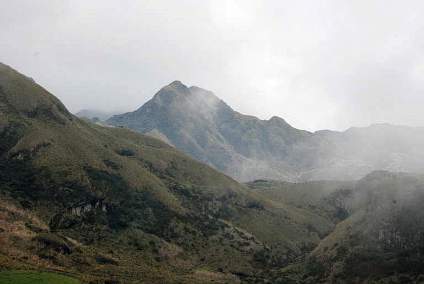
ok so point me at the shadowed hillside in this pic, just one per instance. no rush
(383, 239)
(83, 202)
(110, 204)
(379, 237)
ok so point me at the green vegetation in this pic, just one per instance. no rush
(33, 277)
(108, 205)
(381, 241)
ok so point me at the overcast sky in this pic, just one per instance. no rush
(317, 64)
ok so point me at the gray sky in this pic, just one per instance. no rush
(317, 64)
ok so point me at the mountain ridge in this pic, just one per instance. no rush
(246, 148)
(108, 204)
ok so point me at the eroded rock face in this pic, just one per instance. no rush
(79, 214)
(81, 209)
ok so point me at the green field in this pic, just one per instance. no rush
(33, 277)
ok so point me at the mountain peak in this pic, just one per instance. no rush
(177, 85)
(177, 91)
(169, 93)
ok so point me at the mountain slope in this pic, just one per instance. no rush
(108, 204)
(197, 122)
(379, 236)
(384, 236)
(246, 148)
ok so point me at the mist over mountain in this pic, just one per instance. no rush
(379, 238)
(246, 148)
(84, 203)
(107, 205)
(95, 114)
(211, 142)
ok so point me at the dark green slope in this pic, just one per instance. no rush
(383, 239)
(107, 203)
(380, 239)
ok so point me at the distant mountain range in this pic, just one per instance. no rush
(95, 115)
(246, 148)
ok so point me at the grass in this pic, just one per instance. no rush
(33, 277)
(97, 184)
(107, 203)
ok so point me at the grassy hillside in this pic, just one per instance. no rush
(380, 240)
(31, 277)
(311, 210)
(384, 236)
(318, 199)
(108, 204)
